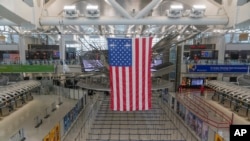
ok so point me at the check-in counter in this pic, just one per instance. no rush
(19, 101)
(215, 97)
(221, 98)
(15, 95)
(4, 111)
(227, 102)
(243, 110)
(13, 104)
(248, 114)
(29, 96)
(233, 105)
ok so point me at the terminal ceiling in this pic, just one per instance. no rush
(119, 18)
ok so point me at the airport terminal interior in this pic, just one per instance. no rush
(123, 70)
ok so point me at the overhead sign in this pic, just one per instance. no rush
(200, 46)
(218, 68)
(26, 68)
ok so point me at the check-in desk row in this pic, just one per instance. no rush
(235, 97)
(16, 95)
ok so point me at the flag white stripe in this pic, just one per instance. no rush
(114, 89)
(133, 76)
(120, 88)
(127, 88)
(146, 73)
(140, 73)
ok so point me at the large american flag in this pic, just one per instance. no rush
(130, 75)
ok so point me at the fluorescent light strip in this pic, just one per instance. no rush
(176, 7)
(69, 7)
(199, 6)
(92, 7)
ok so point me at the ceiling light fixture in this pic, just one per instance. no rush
(70, 12)
(197, 11)
(92, 11)
(175, 11)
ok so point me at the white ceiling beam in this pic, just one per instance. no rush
(4, 22)
(11, 16)
(148, 8)
(17, 12)
(120, 9)
(160, 20)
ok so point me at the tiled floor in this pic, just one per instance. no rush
(124, 124)
(24, 117)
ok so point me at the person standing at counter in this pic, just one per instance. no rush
(202, 90)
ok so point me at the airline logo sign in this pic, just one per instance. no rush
(239, 132)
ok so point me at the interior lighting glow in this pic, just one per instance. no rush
(92, 7)
(176, 7)
(69, 7)
(199, 6)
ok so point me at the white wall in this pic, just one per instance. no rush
(237, 46)
(219, 41)
(19, 8)
(230, 6)
(8, 47)
(243, 13)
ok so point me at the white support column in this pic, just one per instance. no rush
(62, 47)
(21, 48)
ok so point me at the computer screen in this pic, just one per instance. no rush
(92, 65)
(197, 82)
(156, 62)
(206, 54)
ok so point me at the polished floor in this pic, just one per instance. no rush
(25, 117)
(125, 126)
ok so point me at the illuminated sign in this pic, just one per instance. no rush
(218, 68)
(201, 46)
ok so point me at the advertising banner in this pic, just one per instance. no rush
(204, 132)
(71, 116)
(196, 124)
(218, 138)
(218, 68)
(26, 68)
(54, 134)
(198, 127)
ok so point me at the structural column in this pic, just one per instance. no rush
(21, 49)
(62, 47)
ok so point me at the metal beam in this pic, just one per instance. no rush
(160, 20)
(120, 9)
(4, 22)
(148, 8)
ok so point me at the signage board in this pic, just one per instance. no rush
(218, 68)
(26, 68)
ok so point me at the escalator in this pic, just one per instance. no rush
(163, 69)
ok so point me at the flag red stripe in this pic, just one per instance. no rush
(117, 87)
(111, 88)
(130, 90)
(149, 74)
(124, 88)
(137, 72)
(143, 71)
